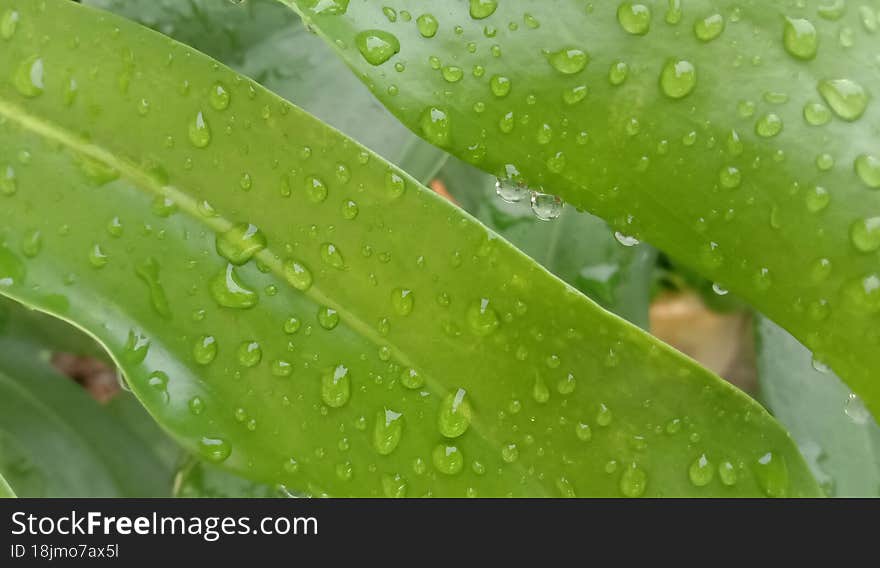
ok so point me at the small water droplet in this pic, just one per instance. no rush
(199, 131)
(328, 318)
(772, 473)
(28, 78)
(447, 459)
(633, 481)
(240, 243)
(701, 471)
(427, 25)
(336, 387)
(678, 78)
(455, 414)
(387, 431)
(569, 61)
(482, 318)
(856, 410)
(250, 354)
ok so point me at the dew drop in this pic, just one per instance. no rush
(199, 131)
(250, 354)
(633, 481)
(328, 318)
(856, 410)
(678, 78)
(205, 350)
(480, 9)
(569, 61)
(336, 387)
(28, 78)
(298, 275)
(868, 169)
(387, 431)
(219, 96)
(435, 126)
(546, 207)
(215, 450)
(772, 473)
(427, 25)
(240, 243)
(402, 301)
(634, 18)
(447, 460)
(701, 471)
(709, 28)
(455, 414)
(377, 46)
(800, 38)
(482, 318)
(331, 256)
(865, 234)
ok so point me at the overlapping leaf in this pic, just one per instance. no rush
(737, 136)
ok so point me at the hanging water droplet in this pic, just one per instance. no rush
(215, 450)
(856, 410)
(546, 207)
(800, 38)
(846, 98)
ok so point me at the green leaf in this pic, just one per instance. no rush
(403, 349)
(5, 490)
(838, 437)
(56, 441)
(576, 247)
(264, 40)
(709, 129)
(197, 479)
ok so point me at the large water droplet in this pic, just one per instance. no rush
(569, 60)
(387, 431)
(447, 459)
(377, 46)
(678, 78)
(865, 234)
(427, 25)
(546, 207)
(845, 97)
(634, 18)
(480, 9)
(800, 38)
(240, 243)
(708, 28)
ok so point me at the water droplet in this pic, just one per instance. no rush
(510, 190)
(482, 318)
(546, 207)
(8, 181)
(701, 471)
(500, 85)
(604, 415)
(215, 450)
(540, 392)
(196, 406)
(137, 345)
(336, 387)
(625, 240)
(730, 177)
(32, 243)
(9, 23)
(455, 414)
(509, 453)
(148, 271)
(395, 185)
(480, 9)
(332, 256)
(328, 318)
(240, 243)
(772, 473)
(634, 18)
(769, 125)
(865, 234)
(583, 432)
(219, 96)
(387, 431)
(618, 72)
(97, 257)
(447, 459)
(281, 368)
(709, 28)
(569, 61)
(727, 473)
(377, 46)
(846, 98)
(402, 301)
(28, 78)
(817, 199)
(868, 169)
(435, 126)
(412, 379)
(427, 25)
(298, 275)
(205, 350)
(633, 481)
(229, 291)
(678, 78)
(856, 410)
(800, 38)
(673, 12)
(316, 189)
(199, 131)
(250, 354)
(393, 486)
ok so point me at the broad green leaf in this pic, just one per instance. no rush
(836, 434)
(576, 247)
(264, 40)
(737, 136)
(56, 441)
(5, 490)
(296, 309)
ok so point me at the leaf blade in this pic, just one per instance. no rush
(758, 172)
